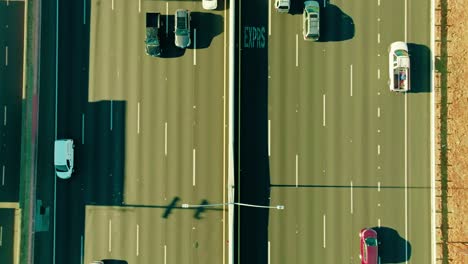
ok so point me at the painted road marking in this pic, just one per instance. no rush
(406, 173)
(269, 137)
(269, 246)
(137, 239)
(138, 118)
(167, 18)
(324, 231)
(112, 4)
(378, 74)
(193, 166)
(110, 235)
(351, 80)
(81, 249)
(165, 254)
(111, 111)
(139, 6)
(297, 170)
(378, 37)
(1, 235)
(82, 128)
(269, 18)
(378, 186)
(378, 111)
(378, 222)
(378, 2)
(84, 22)
(6, 55)
(3, 175)
(4, 115)
(194, 46)
(165, 138)
(297, 51)
(323, 121)
(378, 149)
(351, 193)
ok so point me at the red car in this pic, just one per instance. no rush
(369, 246)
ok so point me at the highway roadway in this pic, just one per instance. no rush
(346, 153)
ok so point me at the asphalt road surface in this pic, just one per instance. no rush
(345, 152)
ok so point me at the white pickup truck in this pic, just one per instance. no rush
(399, 67)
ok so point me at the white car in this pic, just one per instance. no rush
(282, 6)
(63, 158)
(210, 4)
(399, 67)
(311, 21)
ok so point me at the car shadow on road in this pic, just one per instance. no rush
(420, 69)
(392, 247)
(335, 25)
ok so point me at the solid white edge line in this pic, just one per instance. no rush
(165, 138)
(433, 208)
(138, 118)
(137, 240)
(351, 193)
(110, 235)
(6, 55)
(194, 46)
(323, 117)
(351, 79)
(111, 113)
(269, 17)
(269, 252)
(269, 137)
(82, 128)
(324, 231)
(81, 249)
(3, 174)
(297, 50)
(406, 20)
(165, 254)
(297, 170)
(4, 115)
(406, 174)
(193, 166)
(167, 18)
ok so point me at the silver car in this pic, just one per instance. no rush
(182, 28)
(63, 158)
(311, 20)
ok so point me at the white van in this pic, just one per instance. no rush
(282, 6)
(63, 158)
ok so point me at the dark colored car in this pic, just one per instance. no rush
(369, 246)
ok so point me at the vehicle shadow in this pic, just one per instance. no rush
(335, 25)
(208, 26)
(114, 261)
(392, 247)
(166, 38)
(420, 70)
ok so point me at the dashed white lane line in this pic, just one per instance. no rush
(378, 74)
(324, 231)
(269, 137)
(137, 239)
(4, 115)
(378, 149)
(351, 194)
(1, 235)
(139, 6)
(297, 50)
(194, 46)
(165, 138)
(323, 117)
(378, 111)
(351, 80)
(269, 248)
(84, 12)
(193, 166)
(112, 4)
(378, 37)
(165, 254)
(3, 175)
(378, 186)
(297, 170)
(110, 235)
(138, 118)
(378, 222)
(6, 55)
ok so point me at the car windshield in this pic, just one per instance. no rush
(61, 168)
(371, 241)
